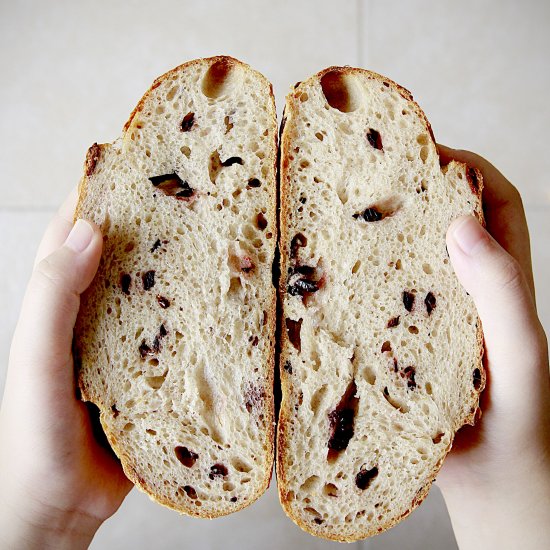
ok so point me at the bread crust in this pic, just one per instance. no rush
(94, 157)
(287, 135)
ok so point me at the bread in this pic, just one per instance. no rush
(381, 351)
(174, 342)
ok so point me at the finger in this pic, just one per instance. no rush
(503, 209)
(41, 345)
(503, 300)
(58, 228)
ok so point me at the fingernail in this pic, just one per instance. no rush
(80, 236)
(468, 234)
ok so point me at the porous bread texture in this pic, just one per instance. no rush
(174, 340)
(356, 364)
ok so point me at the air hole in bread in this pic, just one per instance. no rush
(219, 79)
(319, 136)
(422, 139)
(172, 93)
(156, 382)
(240, 465)
(186, 151)
(315, 361)
(128, 427)
(395, 402)
(330, 490)
(314, 512)
(427, 268)
(437, 438)
(317, 398)
(310, 484)
(356, 266)
(227, 486)
(369, 375)
(214, 166)
(298, 241)
(340, 91)
(424, 153)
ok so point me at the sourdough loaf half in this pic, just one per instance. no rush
(381, 346)
(174, 340)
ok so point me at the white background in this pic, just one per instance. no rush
(72, 71)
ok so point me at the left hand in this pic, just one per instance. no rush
(58, 482)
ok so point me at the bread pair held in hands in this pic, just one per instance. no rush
(380, 346)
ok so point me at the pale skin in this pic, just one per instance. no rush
(59, 484)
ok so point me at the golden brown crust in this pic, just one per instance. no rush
(94, 156)
(209, 60)
(474, 413)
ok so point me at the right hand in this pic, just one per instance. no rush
(501, 465)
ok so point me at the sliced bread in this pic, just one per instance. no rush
(174, 342)
(381, 353)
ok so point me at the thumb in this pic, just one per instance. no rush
(41, 348)
(499, 288)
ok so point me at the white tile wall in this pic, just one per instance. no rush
(72, 72)
(480, 72)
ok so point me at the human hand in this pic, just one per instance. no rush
(58, 483)
(496, 480)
